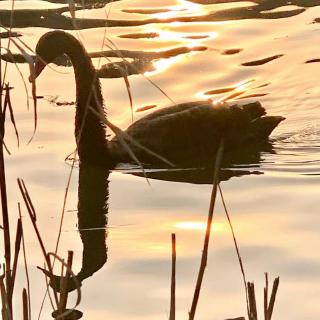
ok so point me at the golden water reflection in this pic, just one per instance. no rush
(186, 7)
(275, 215)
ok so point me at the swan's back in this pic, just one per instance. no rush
(193, 131)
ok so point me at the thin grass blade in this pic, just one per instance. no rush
(16, 254)
(8, 99)
(122, 136)
(29, 60)
(147, 78)
(126, 80)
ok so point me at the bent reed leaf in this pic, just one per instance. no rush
(122, 134)
(29, 59)
(21, 76)
(118, 52)
(125, 77)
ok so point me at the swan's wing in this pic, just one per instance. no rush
(190, 132)
(253, 109)
(174, 109)
(175, 135)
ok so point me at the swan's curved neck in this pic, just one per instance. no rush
(90, 133)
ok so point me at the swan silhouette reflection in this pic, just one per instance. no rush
(236, 163)
(93, 198)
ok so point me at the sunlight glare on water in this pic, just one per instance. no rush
(187, 7)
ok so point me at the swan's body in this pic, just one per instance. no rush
(179, 133)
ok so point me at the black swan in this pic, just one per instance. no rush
(183, 133)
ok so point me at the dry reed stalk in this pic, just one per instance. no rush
(236, 247)
(272, 298)
(7, 102)
(1, 75)
(25, 303)
(4, 202)
(64, 284)
(173, 279)
(265, 297)
(60, 226)
(33, 218)
(268, 304)
(6, 314)
(204, 256)
(252, 302)
(68, 313)
(25, 264)
(16, 256)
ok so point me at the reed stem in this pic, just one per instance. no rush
(204, 256)
(173, 279)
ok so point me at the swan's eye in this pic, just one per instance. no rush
(63, 60)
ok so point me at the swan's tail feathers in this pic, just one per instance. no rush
(254, 110)
(262, 127)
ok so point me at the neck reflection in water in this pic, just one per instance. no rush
(93, 195)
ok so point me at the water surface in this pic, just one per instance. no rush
(254, 50)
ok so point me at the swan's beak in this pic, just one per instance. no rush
(39, 65)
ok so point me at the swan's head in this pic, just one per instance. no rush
(50, 46)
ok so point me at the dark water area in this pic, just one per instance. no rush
(119, 226)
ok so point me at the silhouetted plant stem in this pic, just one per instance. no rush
(204, 256)
(273, 297)
(4, 203)
(65, 280)
(25, 303)
(47, 279)
(252, 302)
(72, 312)
(33, 218)
(173, 279)
(237, 248)
(4, 305)
(16, 256)
(265, 297)
(8, 104)
(25, 264)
